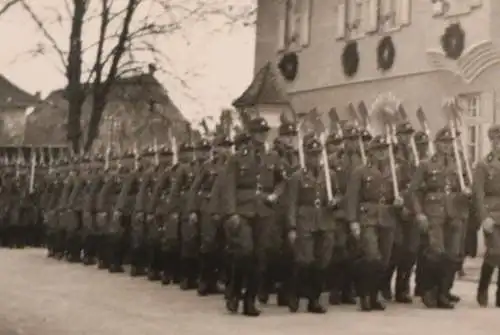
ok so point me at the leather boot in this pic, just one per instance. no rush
(497, 300)
(484, 283)
(314, 306)
(293, 291)
(249, 308)
(204, 283)
(402, 285)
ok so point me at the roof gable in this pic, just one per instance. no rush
(265, 89)
(11, 95)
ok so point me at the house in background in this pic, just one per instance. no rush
(15, 103)
(332, 53)
(336, 52)
(139, 111)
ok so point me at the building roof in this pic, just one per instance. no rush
(265, 89)
(13, 96)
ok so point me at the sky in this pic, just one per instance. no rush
(209, 62)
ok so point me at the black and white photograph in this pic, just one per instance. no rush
(249, 167)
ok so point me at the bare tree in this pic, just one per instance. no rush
(128, 30)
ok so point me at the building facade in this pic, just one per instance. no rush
(15, 104)
(335, 52)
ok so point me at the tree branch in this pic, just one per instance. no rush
(6, 5)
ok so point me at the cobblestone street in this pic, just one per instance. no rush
(47, 297)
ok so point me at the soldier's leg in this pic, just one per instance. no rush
(436, 265)
(338, 269)
(170, 246)
(497, 300)
(241, 249)
(324, 242)
(189, 253)
(303, 257)
(368, 243)
(137, 246)
(411, 238)
(273, 266)
(208, 250)
(484, 283)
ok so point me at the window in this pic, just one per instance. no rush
(472, 104)
(355, 10)
(389, 14)
(473, 143)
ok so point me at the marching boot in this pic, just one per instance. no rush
(293, 290)
(377, 277)
(484, 283)
(363, 288)
(403, 275)
(337, 273)
(206, 267)
(316, 283)
(443, 300)
(249, 308)
(386, 282)
(429, 280)
(168, 269)
(233, 288)
(451, 272)
(253, 282)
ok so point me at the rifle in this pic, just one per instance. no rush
(388, 120)
(404, 118)
(424, 125)
(355, 118)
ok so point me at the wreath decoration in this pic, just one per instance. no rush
(350, 59)
(386, 53)
(453, 41)
(289, 66)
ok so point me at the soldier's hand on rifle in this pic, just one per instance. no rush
(234, 220)
(272, 198)
(334, 202)
(467, 191)
(488, 225)
(193, 217)
(423, 222)
(150, 218)
(292, 236)
(399, 202)
(174, 217)
(355, 228)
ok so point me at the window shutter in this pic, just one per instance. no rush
(305, 23)
(404, 12)
(372, 8)
(341, 20)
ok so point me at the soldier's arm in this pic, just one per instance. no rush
(415, 190)
(228, 200)
(193, 196)
(352, 194)
(215, 194)
(292, 200)
(280, 175)
(121, 202)
(175, 191)
(478, 192)
(160, 184)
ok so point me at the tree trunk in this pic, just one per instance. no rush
(75, 93)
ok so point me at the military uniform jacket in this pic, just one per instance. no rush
(65, 193)
(125, 202)
(91, 192)
(145, 192)
(108, 194)
(486, 188)
(75, 197)
(57, 188)
(251, 175)
(370, 195)
(343, 163)
(202, 189)
(435, 189)
(182, 182)
(308, 208)
(160, 198)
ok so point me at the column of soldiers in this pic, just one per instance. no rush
(333, 209)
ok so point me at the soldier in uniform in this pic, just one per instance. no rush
(73, 218)
(89, 213)
(51, 215)
(422, 144)
(344, 160)
(280, 256)
(158, 256)
(441, 208)
(204, 203)
(371, 211)
(486, 191)
(125, 187)
(61, 208)
(407, 238)
(138, 238)
(253, 183)
(179, 200)
(167, 214)
(311, 227)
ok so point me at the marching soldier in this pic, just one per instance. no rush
(51, 216)
(371, 206)
(407, 238)
(74, 210)
(125, 187)
(61, 208)
(90, 238)
(486, 198)
(160, 253)
(440, 200)
(253, 183)
(344, 160)
(204, 203)
(311, 227)
(179, 199)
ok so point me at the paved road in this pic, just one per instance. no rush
(47, 297)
